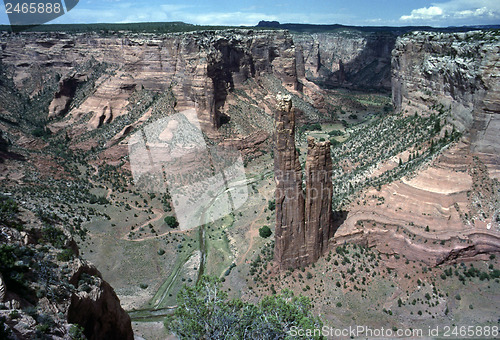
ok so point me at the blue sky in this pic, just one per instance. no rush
(250, 12)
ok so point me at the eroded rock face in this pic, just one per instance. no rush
(319, 189)
(62, 98)
(459, 71)
(200, 67)
(346, 59)
(303, 221)
(96, 307)
(290, 242)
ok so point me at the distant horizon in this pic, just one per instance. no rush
(493, 26)
(390, 13)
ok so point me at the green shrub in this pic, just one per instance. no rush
(4, 332)
(54, 236)
(93, 199)
(265, 232)
(8, 210)
(65, 255)
(76, 332)
(171, 221)
(271, 205)
(205, 310)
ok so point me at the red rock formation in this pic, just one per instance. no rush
(319, 189)
(349, 59)
(289, 235)
(201, 68)
(454, 70)
(62, 98)
(303, 226)
(96, 307)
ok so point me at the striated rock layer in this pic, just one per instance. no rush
(303, 224)
(201, 68)
(458, 71)
(448, 210)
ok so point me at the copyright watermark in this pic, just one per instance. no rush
(355, 332)
(35, 12)
(384, 333)
(205, 182)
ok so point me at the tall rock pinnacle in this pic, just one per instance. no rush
(289, 235)
(303, 220)
(319, 189)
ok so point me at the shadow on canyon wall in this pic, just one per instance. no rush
(369, 70)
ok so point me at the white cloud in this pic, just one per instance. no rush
(423, 13)
(479, 12)
(456, 12)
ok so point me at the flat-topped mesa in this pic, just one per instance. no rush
(319, 190)
(303, 220)
(289, 235)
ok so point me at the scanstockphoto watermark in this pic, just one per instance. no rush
(205, 182)
(361, 331)
(356, 332)
(289, 185)
(23, 13)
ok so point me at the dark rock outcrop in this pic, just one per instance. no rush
(304, 222)
(4, 144)
(96, 307)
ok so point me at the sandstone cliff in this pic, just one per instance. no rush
(303, 225)
(458, 71)
(349, 59)
(201, 68)
(446, 209)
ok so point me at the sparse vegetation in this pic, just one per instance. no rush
(205, 311)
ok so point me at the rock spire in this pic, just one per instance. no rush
(303, 219)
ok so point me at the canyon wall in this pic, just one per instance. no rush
(446, 210)
(303, 221)
(200, 67)
(458, 71)
(349, 59)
